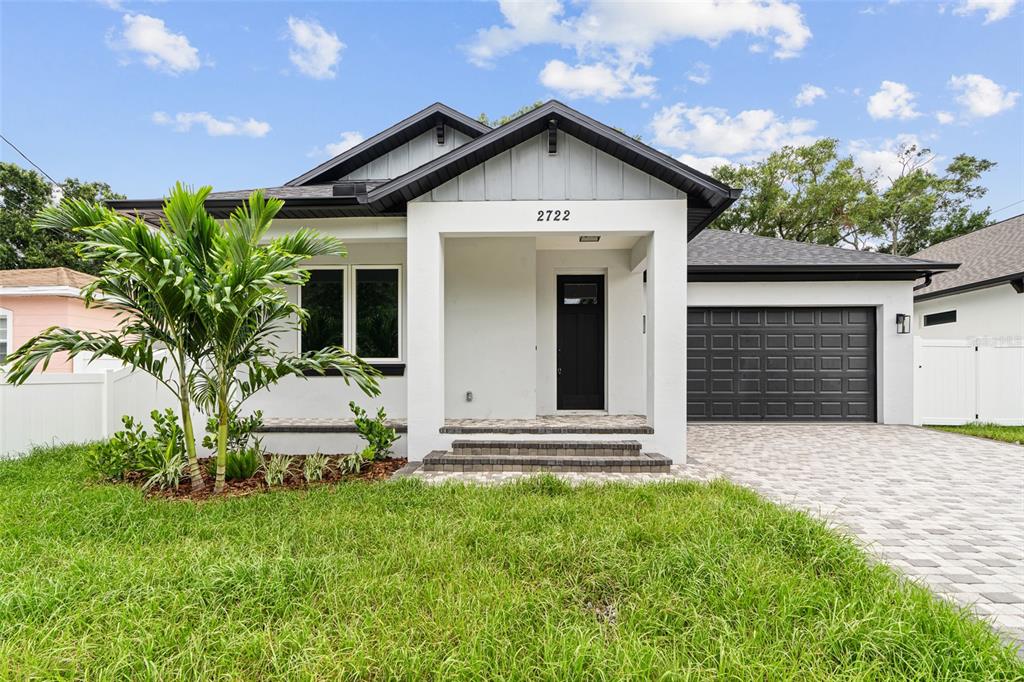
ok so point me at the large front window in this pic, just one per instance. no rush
(358, 307)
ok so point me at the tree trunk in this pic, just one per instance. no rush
(195, 474)
(222, 443)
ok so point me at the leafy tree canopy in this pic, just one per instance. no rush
(502, 120)
(813, 194)
(23, 194)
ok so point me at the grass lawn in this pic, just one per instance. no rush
(1008, 434)
(400, 580)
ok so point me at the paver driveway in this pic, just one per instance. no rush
(944, 508)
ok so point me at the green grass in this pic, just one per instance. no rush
(1008, 434)
(401, 580)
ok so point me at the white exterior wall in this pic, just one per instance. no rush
(895, 352)
(490, 325)
(625, 381)
(412, 154)
(995, 312)
(577, 172)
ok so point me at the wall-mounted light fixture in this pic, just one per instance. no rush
(902, 323)
(589, 238)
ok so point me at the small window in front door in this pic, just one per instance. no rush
(580, 337)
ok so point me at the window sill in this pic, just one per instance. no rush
(388, 369)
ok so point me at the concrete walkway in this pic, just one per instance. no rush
(945, 509)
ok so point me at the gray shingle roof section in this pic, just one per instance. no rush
(719, 248)
(987, 256)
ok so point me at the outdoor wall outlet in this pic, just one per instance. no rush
(469, 396)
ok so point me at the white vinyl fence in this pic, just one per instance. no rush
(67, 408)
(958, 381)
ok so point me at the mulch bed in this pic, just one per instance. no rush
(372, 471)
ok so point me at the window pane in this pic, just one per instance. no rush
(580, 293)
(323, 297)
(377, 313)
(940, 318)
(3, 336)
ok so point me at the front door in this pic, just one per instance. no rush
(580, 334)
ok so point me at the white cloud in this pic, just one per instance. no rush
(182, 122)
(982, 97)
(883, 159)
(808, 94)
(944, 117)
(349, 139)
(893, 100)
(994, 9)
(700, 74)
(705, 164)
(160, 48)
(600, 81)
(317, 51)
(619, 37)
(712, 132)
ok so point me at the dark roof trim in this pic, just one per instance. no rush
(702, 190)
(304, 208)
(813, 273)
(385, 141)
(972, 286)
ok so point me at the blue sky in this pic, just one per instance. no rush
(248, 94)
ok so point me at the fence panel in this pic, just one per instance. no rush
(965, 380)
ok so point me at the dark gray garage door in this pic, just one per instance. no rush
(781, 363)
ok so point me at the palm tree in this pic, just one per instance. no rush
(149, 279)
(243, 306)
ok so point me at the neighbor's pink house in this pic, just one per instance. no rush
(35, 299)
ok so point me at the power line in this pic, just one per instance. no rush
(15, 148)
(1019, 201)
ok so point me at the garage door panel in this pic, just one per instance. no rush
(781, 363)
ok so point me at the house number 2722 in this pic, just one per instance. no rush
(553, 216)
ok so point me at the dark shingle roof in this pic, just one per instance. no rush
(717, 250)
(987, 256)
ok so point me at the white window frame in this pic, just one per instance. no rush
(9, 336)
(354, 305)
(350, 305)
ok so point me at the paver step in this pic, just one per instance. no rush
(647, 462)
(548, 448)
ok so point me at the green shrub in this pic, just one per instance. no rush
(160, 458)
(276, 469)
(241, 431)
(314, 467)
(377, 434)
(241, 465)
(353, 463)
(109, 460)
(162, 467)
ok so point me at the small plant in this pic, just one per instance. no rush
(162, 467)
(314, 467)
(109, 460)
(241, 431)
(276, 469)
(352, 463)
(377, 434)
(132, 449)
(241, 465)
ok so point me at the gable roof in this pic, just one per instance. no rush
(989, 256)
(45, 277)
(389, 139)
(707, 197)
(318, 193)
(722, 255)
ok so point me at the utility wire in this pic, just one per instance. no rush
(15, 148)
(998, 210)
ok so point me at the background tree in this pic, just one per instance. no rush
(807, 194)
(812, 194)
(23, 194)
(502, 120)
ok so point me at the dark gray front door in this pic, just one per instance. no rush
(780, 364)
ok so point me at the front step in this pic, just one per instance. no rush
(549, 448)
(553, 462)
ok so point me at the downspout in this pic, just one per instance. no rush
(927, 281)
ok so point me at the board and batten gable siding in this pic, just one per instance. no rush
(578, 172)
(412, 154)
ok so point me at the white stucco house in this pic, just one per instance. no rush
(549, 286)
(984, 297)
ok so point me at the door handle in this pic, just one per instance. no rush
(559, 371)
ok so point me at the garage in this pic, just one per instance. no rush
(781, 363)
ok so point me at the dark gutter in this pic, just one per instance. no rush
(814, 272)
(972, 286)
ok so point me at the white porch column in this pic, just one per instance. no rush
(666, 340)
(425, 339)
